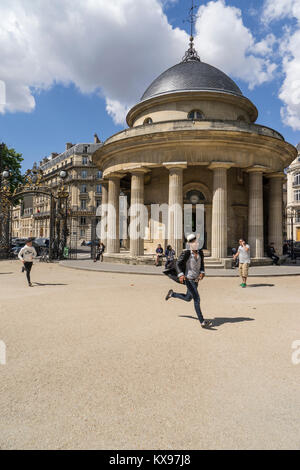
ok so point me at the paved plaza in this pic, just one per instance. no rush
(99, 360)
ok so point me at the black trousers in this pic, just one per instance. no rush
(28, 266)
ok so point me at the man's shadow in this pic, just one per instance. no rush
(218, 321)
(260, 285)
(41, 284)
(6, 273)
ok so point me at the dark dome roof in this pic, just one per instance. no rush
(192, 75)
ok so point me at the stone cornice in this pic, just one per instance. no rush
(215, 165)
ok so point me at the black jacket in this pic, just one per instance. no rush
(179, 265)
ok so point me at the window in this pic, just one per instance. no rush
(297, 195)
(82, 233)
(148, 120)
(98, 202)
(83, 204)
(84, 174)
(85, 149)
(297, 220)
(99, 174)
(297, 178)
(82, 220)
(83, 188)
(84, 160)
(99, 189)
(195, 115)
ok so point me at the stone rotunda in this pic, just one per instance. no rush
(193, 139)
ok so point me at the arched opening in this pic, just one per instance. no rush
(195, 115)
(148, 121)
(195, 197)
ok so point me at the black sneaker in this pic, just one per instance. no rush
(169, 294)
(30, 285)
(206, 324)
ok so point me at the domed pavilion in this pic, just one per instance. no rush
(193, 139)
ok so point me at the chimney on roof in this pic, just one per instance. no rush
(69, 145)
(54, 154)
(96, 139)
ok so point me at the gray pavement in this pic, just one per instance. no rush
(255, 271)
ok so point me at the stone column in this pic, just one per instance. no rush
(255, 212)
(113, 235)
(104, 202)
(219, 209)
(175, 219)
(275, 229)
(208, 224)
(137, 206)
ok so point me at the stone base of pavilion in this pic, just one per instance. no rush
(124, 257)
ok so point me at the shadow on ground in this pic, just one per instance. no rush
(218, 321)
(260, 285)
(41, 284)
(6, 273)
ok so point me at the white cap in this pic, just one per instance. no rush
(191, 237)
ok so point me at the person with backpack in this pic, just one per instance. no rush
(189, 270)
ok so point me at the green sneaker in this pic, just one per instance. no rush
(244, 285)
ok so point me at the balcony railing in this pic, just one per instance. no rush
(90, 209)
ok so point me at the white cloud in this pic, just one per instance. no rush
(224, 41)
(290, 52)
(115, 48)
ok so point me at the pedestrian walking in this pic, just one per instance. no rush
(27, 254)
(189, 270)
(243, 253)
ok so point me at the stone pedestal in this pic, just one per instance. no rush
(113, 236)
(255, 213)
(275, 228)
(219, 210)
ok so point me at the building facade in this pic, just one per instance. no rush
(192, 138)
(83, 183)
(293, 199)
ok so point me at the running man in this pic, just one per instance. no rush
(190, 270)
(243, 254)
(27, 255)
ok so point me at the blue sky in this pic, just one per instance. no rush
(59, 91)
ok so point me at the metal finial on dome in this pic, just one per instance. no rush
(191, 53)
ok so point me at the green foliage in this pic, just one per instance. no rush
(11, 160)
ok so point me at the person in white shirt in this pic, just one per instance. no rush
(243, 254)
(27, 255)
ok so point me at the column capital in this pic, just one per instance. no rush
(103, 181)
(257, 169)
(215, 165)
(139, 170)
(279, 174)
(175, 165)
(115, 175)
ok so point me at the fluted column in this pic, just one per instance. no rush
(175, 219)
(137, 210)
(113, 235)
(275, 229)
(104, 202)
(219, 210)
(255, 213)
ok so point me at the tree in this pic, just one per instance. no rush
(11, 160)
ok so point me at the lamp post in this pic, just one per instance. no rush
(5, 204)
(291, 213)
(63, 196)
